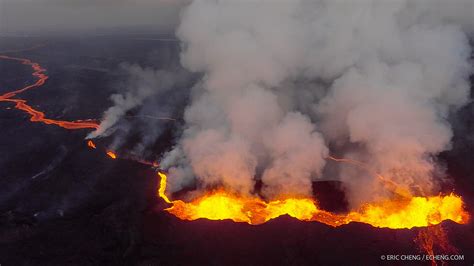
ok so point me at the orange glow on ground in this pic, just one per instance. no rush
(396, 214)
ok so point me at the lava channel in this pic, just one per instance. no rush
(36, 115)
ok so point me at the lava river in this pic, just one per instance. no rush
(37, 116)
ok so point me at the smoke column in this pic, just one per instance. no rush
(147, 102)
(285, 80)
(142, 83)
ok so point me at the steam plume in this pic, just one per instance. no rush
(283, 80)
(142, 83)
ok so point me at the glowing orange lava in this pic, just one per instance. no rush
(396, 214)
(112, 155)
(91, 144)
(38, 116)
(434, 240)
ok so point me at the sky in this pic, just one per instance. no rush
(35, 16)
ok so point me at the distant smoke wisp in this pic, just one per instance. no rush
(285, 80)
(142, 83)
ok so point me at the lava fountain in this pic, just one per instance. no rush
(395, 214)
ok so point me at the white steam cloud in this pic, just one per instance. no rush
(284, 80)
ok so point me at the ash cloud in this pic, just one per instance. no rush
(285, 80)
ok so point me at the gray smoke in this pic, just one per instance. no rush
(142, 83)
(147, 102)
(285, 80)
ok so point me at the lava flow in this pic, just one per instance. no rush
(38, 116)
(395, 214)
(434, 236)
(91, 144)
(112, 154)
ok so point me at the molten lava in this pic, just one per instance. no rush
(91, 144)
(162, 188)
(396, 214)
(434, 240)
(414, 212)
(112, 155)
(38, 116)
